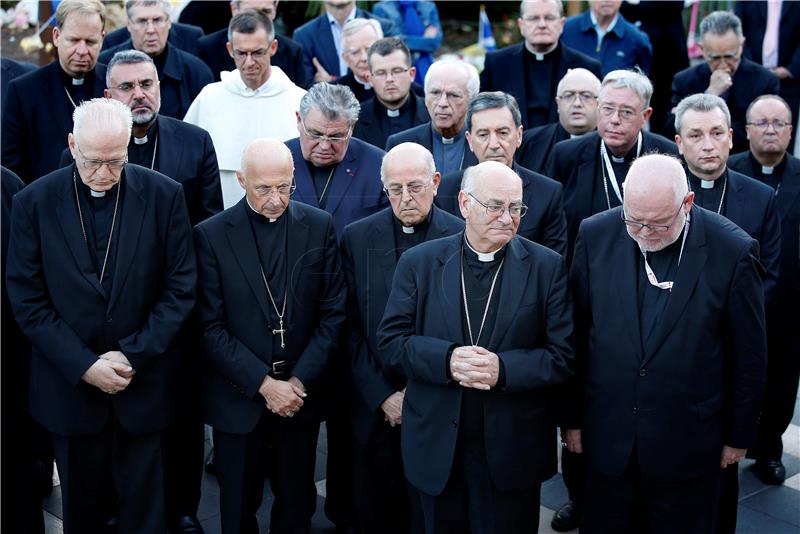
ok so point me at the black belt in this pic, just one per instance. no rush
(281, 368)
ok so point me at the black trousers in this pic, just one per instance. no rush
(574, 476)
(132, 463)
(472, 504)
(21, 494)
(633, 504)
(240, 471)
(728, 501)
(338, 481)
(386, 503)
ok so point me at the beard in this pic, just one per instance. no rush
(654, 245)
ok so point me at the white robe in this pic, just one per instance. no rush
(234, 115)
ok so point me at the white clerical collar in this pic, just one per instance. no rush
(408, 229)
(540, 56)
(140, 140)
(615, 159)
(393, 112)
(448, 140)
(97, 194)
(485, 257)
(707, 184)
(767, 170)
(78, 81)
(366, 85)
(270, 219)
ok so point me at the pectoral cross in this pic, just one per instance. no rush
(280, 331)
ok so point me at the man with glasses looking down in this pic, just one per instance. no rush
(371, 248)
(479, 324)
(256, 100)
(670, 352)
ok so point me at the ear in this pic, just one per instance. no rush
(73, 146)
(56, 36)
(412, 73)
(106, 93)
(273, 47)
(468, 137)
(519, 136)
(241, 180)
(678, 142)
(647, 113)
(229, 47)
(437, 179)
(299, 120)
(463, 204)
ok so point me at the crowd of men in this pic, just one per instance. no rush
(445, 273)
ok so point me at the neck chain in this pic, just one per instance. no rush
(651, 276)
(724, 190)
(83, 227)
(608, 170)
(71, 101)
(281, 330)
(474, 341)
(155, 151)
(327, 183)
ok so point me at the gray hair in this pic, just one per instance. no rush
(768, 97)
(250, 21)
(83, 7)
(493, 100)
(163, 4)
(471, 174)
(629, 79)
(700, 102)
(333, 101)
(556, 2)
(356, 25)
(598, 86)
(720, 23)
(473, 81)
(426, 159)
(101, 113)
(127, 57)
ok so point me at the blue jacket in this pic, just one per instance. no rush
(624, 47)
(429, 16)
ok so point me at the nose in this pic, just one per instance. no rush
(82, 48)
(442, 100)
(505, 217)
(138, 92)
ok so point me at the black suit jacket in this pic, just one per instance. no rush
(537, 144)
(363, 94)
(545, 222)
(37, 117)
(355, 190)
(531, 337)
(423, 135)
(504, 70)
(233, 309)
(368, 262)
(289, 57)
(574, 163)
(786, 303)
(183, 36)
(60, 306)
(369, 127)
(750, 80)
(186, 154)
(12, 69)
(698, 383)
(181, 78)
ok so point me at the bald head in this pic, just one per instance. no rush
(267, 176)
(410, 180)
(657, 194)
(576, 99)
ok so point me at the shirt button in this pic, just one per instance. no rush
(642, 372)
(635, 410)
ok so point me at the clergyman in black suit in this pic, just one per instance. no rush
(494, 131)
(371, 248)
(576, 101)
(101, 276)
(671, 355)
(288, 57)
(271, 306)
(479, 323)
(769, 126)
(183, 36)
(450, 85)
(395, 107)
(37, 110)
(530, 70)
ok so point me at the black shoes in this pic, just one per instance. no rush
(771, 472)
(566, 518)
(187, 524)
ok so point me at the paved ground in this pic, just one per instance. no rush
(762, 509)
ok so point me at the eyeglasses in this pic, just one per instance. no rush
(127, 87)
(779, 126)
(332, 139)
(241, 55)
(536, 19)
(625, 114)
(497, 210)
(398, 190)
(395, 72)
(268, 190)
(157, 22)
(95, 164)
(570, 96)
(638, 227)
(717, 57)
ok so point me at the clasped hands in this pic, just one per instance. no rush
(111, 373)
(475, 367)
(283, 397)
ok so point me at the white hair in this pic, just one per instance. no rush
(104, 114)
(473, 80)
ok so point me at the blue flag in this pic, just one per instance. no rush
(485, 36)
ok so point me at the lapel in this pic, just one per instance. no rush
(385, 262)
(515, 279)
(421, 115)
(134, 209)
(517, 72)
(326, 46)
(586, 177)
(789, 192)
(59, 103)
(449, 287)
(67, 212)
(735, 202)
(692, 263)
(240, 237)
(305, 191)
(624, 281)
(170, 151)
(297, 246)
(343, 176)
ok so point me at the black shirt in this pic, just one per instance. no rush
(404, 240)
(78, 91)
(403, 118)
(772, 179)
(322, 177)
(540, 85)
(620, 165)
(144, 154)
(710, 199)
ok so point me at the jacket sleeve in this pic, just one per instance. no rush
(555, 231)
(14, 138)
(178, 288)
(211, 190)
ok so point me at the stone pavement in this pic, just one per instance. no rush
(762, 509)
